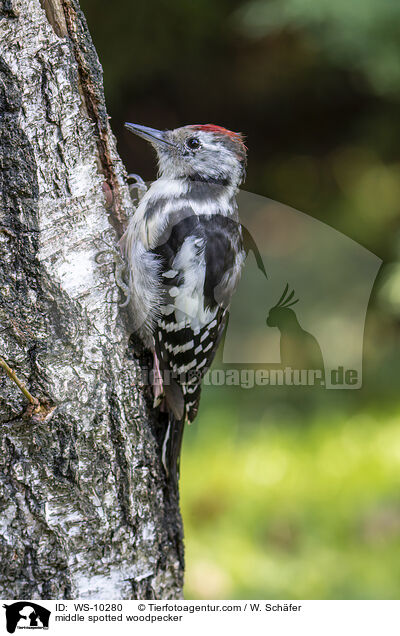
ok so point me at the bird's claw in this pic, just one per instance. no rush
(138, 188)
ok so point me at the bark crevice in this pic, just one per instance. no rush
(67, 20)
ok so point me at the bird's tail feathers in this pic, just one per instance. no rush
(171, 449)
(175, 399)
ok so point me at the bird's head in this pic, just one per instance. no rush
(202, 152)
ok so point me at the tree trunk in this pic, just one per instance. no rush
(85, 509)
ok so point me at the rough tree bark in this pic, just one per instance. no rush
(85, 510)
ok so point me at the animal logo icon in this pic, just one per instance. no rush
(299, 349)
(26, 615)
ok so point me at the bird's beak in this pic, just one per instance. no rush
(150, 134)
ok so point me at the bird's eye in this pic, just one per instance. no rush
(193, 143)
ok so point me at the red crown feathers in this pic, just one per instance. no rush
(222, 131)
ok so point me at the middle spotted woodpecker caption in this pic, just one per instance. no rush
(185, 252)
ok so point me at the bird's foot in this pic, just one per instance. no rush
(158, 389)
(136, 189)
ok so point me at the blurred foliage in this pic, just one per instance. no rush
(286, 493)
(292, 510)
(362, 34)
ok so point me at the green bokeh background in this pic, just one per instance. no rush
(285, 493)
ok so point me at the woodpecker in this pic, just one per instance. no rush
(185, 252)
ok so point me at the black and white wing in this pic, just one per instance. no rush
(201, 257)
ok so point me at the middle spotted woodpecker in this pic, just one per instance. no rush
(184, 248)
